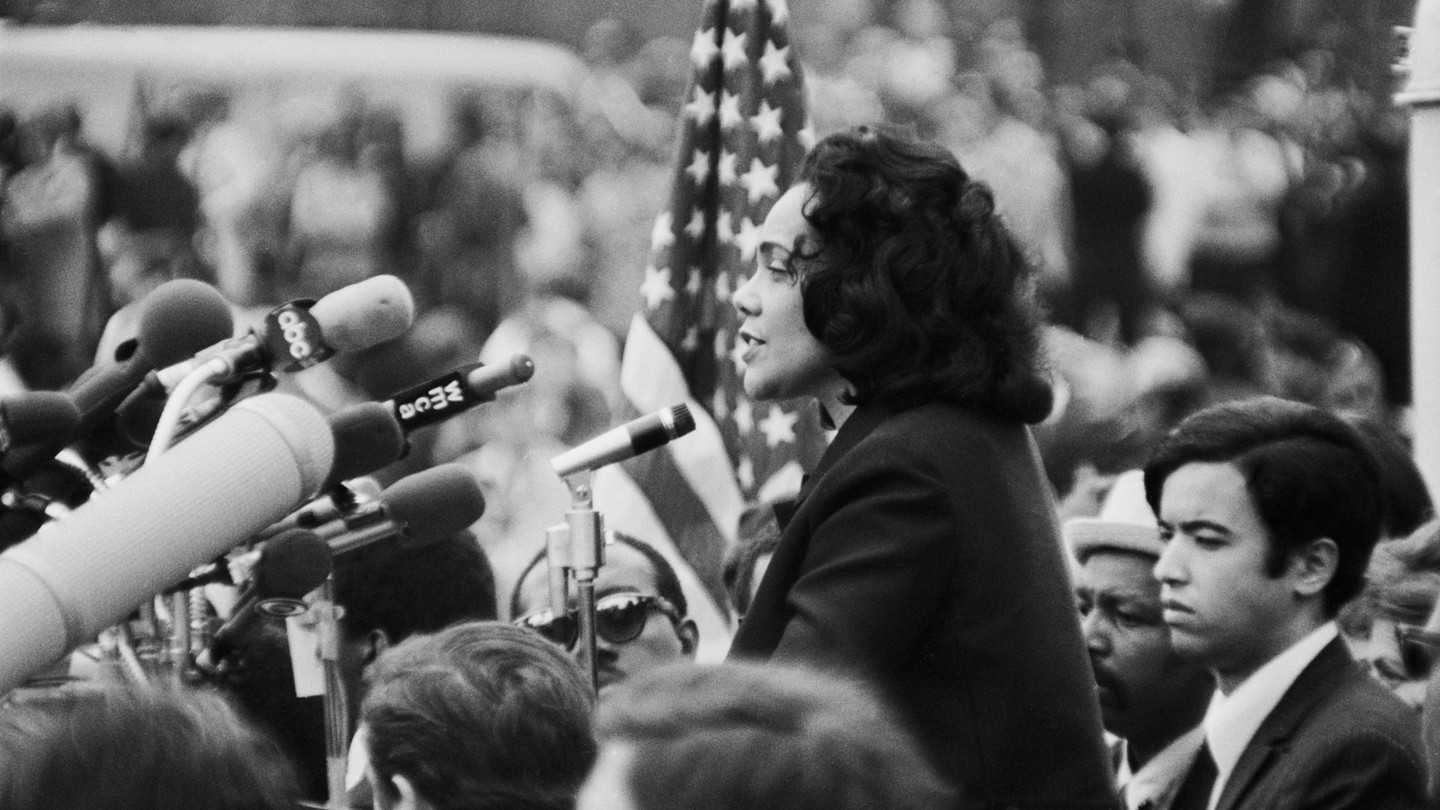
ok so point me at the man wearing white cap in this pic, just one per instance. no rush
(1149, 697)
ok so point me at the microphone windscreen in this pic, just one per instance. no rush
(291, 565)
(367, 437)
(181, 318)
(365, 314)
(435, 503)
(35, 416)
(230, 479)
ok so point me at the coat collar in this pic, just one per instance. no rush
(1331, 667)
(861, 423)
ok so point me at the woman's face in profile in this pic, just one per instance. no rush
(782, 359)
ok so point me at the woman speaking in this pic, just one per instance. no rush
(922, 555)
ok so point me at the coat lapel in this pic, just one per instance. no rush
(761, 627)
(1317, 681)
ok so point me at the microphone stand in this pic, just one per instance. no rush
(584, 526)
(337, 711)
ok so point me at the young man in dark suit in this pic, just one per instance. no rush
(1269, 511)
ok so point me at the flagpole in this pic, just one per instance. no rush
(1422, 96)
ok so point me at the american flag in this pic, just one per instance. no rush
(744, 131)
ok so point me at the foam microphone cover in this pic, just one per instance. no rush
(233, 477)
(177, 319)
(365, 314)
(180, 319)
(36, 416)
(435, 503)
(367, 437)
(291, 565)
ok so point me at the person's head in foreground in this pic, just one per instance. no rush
(137, 748)
(480, 715)
(745, 735)
(885, 276)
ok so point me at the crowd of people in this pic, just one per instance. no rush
(1118, 510)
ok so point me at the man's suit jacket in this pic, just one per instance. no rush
(1337, 739)
(923, 555)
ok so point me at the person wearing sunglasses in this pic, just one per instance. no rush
(1385, 625)
(640, 611)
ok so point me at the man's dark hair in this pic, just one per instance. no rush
(1407, 499)
(667, 582)
(920, 291)
(1309, 474)
(118, 748)
(481, 715)
(746, 735)
(415, 590)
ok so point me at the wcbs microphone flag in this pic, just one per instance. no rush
(743, 134)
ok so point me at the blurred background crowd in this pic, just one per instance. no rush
(1229, 226)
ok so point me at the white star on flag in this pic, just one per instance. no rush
(744, 414)
(696, 226)
(773, 64)
(742, 5)
(718, 405)
(766, 122)
(748, 239)
(693, 283)
(745, 472)
(724, 232)
(735, 56)
(730, 116)
(691, 341)
(760, 181)
(722, 289)
(722, 343)
(779, 12)
(663, 234)
(702, 107)
(737, 354)
(699, 167)
(726, 169)
(656, 289)
(779, 426)
(806, 136)
(703, 49)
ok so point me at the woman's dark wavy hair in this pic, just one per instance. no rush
(922, 293)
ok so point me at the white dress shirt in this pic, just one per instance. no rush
(1158, 780)
(1231, 721)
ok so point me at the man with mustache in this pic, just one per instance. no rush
(1149, 697)
(1268, 511)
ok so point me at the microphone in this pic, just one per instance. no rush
(457, 391)
(367, 437)
(626, 441)
(176, 320)
(419, 509)
(339, 501)
(371, 435)
(35, 416)
(233, 477)
(291, 565)
(298, 334)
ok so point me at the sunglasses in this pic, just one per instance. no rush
(619, 618)
(1418, 649)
